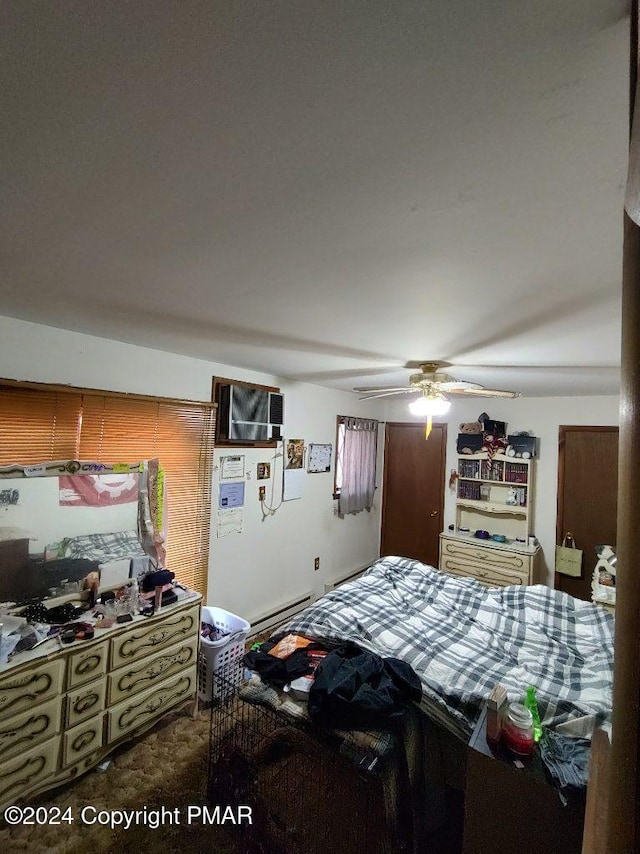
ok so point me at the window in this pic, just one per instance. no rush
(40, 423)
(249, 415)
(355, 471)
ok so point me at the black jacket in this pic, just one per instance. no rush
(355, 688)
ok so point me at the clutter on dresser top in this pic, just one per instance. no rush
(32, 625)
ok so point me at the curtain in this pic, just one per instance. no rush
(358, 465)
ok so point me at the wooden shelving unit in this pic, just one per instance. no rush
(493, 495)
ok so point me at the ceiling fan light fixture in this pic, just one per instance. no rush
(429, 405)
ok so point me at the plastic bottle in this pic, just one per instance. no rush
(531, 703)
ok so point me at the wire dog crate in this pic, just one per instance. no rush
(308, 794)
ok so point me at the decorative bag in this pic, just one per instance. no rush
(569, 558)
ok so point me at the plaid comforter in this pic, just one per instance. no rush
(462, 638)
(104, 547)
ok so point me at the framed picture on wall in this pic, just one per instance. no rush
(319, 458)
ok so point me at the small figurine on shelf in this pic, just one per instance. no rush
(511, 498)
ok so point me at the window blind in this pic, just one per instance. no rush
(41, 423)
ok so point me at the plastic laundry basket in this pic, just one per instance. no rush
(220, 665)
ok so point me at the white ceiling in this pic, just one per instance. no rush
(323, 190)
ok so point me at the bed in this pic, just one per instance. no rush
(462, 638)
(119, 555)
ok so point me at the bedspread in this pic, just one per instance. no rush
(104, 547)
(462, 638)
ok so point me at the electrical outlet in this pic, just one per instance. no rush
(316, 564)
(262, 492)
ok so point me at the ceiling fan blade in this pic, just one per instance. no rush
(388, 393)
(367, 388)
(484, 392)
(456, 385)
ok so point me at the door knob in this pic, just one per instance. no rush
(434, 513)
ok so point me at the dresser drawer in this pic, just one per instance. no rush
(141, 640)
(83, 702)
(485, 556)
(146, 707)
(81, 740)
(26, 729)
(490, 575)
(87, 664)
(26, 771)
(28, 688)
(139, 676)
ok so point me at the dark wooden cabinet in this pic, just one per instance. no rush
(510, 809)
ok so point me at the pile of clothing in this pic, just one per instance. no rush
(349, 686)
(212, 633)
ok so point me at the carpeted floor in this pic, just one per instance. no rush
(166, 768)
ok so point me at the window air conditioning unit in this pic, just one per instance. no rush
(249, 414)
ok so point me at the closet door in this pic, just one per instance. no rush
(587, 497)
(413, 491)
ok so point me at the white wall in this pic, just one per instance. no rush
(272, 560)
(542, 416)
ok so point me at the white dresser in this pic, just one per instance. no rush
(491, 563)
(64, 708)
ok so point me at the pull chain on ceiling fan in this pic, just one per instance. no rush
(433, 387)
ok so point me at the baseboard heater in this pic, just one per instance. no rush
(281, 613)
(351, 576)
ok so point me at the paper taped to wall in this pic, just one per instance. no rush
(229, 522)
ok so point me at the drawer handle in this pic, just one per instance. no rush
(29, 730)
(154, 669)
(88, 664)
(38, 763)
(83, 739)
(162, 699)
(133, 645)
(84, 703)
(33, 687)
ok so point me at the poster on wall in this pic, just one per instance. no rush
(94, 490)
(295, 454)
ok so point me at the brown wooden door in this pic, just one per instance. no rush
(413, 491)
(587, 497)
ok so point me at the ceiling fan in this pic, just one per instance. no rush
(433, 386)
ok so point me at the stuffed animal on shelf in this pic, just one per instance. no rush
(470, 437)
(494, 445)
(511, 452)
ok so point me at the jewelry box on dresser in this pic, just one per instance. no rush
(64, 708)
